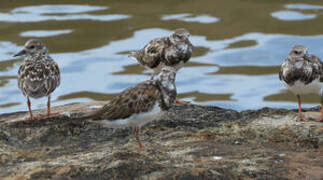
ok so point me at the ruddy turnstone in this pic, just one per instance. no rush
(174, 50)
(139, 104)
(302, 73)
(39, 75)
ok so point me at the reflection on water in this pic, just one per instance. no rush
(292, 15)
(303, 6)
(43, 33)
(248, 70)
(57, 9)
(288, 15)
(37, 17)
(41, 13)
(191, 18)
(236, 58)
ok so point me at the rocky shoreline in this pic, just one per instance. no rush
(188, 142)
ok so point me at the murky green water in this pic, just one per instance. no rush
(239, 46)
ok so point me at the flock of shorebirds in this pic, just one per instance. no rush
(39, 76)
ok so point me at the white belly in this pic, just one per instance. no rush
(136, 120)
(300, 88)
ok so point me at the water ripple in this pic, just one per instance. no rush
(187, 17)
(7, 50)
(42, 13)
(19, 17)
(303, 6)
(292, 15)
(45, 33)
(56, 9)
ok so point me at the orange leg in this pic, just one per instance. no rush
(135, 133)
(48, 106)
(321, 118)
(49, 113)
(300, 117)
(29, 109)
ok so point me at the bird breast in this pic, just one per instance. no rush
(301, 77)
(299, 70)
(183, 47)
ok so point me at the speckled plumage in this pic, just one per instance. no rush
(300, 66)
(141, 103)
(174, 50)
(141, 98)
(39, 74)
(38, 78)
(302, 73)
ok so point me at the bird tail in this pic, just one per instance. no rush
(90, 115)
(134, 55)
(95, 117)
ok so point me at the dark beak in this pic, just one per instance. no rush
(20, 53)
(308, 57)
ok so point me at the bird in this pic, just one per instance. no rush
(173, 50)
(38, 75)
(302, 73)
(139, 104)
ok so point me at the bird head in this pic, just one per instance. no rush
(299, 52)
(166, 80)
(180, 35)
(32, 47)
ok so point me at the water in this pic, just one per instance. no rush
(239, 46)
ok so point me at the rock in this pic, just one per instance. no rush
(188, 142)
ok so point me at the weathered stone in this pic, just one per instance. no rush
(188, 142)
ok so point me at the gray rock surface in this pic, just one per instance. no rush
(188, 142)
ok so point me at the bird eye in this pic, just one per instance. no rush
(297, 52)
(31, 47)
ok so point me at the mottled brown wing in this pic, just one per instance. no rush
(317, 60)
(281, 71)
(21, 77)
(290, 78)
(188, 55)
(280, 74)
(38, 78)
(53, 76)
(309, 71)
(152, 54)
(139, 98)
(31, 77)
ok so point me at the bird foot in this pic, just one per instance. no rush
(34, 117)
(301, 119)
(317, 119)
(44, 116)
(182, 103)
